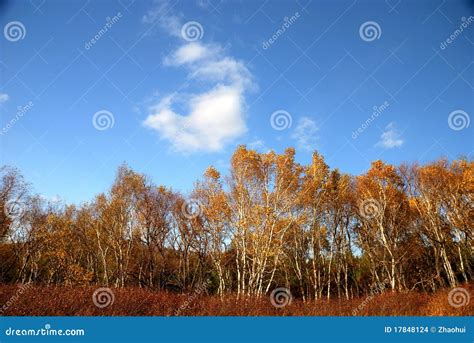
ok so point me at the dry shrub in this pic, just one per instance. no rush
(75, 301)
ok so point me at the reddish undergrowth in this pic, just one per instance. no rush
(77, 301)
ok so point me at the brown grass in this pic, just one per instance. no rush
(77, 301)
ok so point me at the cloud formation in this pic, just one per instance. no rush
(190, 53)
(161, 14)
(209, 119)
(258, 144)
(3, 98)
(212, 118)
(305, 134)
(390, 138)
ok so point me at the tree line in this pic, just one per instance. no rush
(270, 222)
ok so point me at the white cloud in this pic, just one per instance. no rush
(161, 13)
(390, 138)
(206, 121)
(214, 119)
(208, 62)
(191, 53)
(257, 144)
(4, 98)
(225, 69)
(305, 134)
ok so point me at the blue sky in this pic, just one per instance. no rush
(172, 87)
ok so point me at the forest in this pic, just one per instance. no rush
(269, 222)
